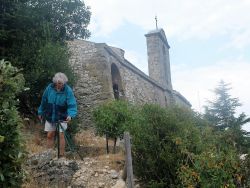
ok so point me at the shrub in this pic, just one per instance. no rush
(112, 118)
(211, 168)
(245, 170)
(11, 147)
(157, 143)
(174, 147)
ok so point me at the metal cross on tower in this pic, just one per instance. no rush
(156, 22)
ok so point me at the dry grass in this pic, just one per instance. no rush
(115, 161)
(34, 137)
(89, 144)
(95, 146)
(88, 138)
(31, 183)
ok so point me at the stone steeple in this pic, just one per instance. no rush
(158, 58)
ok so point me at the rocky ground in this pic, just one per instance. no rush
(47, 170)
(95, 170)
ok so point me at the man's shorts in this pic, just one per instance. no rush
(52, 126)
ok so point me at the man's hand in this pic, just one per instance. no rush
(68, 119)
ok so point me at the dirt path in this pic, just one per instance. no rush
(96, 170)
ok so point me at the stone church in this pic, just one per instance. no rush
(103, 74)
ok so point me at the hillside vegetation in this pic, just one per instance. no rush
(176, 147)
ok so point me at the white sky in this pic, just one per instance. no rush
(210, 41)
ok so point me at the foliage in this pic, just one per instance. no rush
(157, 144)
(36, 21)
(245, 170)
(11, 148)
(221, 113)
(33, 35)
(65, 19)
(112, 118)
(51, 58)
(214, 167)
(174, 147)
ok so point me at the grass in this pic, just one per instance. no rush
(34, 137)
(89, 145)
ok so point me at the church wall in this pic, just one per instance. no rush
(180, 100)
(136, 87)
(92, 64)
(140, 91)
(93, 83)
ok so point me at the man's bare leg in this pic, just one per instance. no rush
(62, 144)
(50, 139)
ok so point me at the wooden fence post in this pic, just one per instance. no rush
(128, 163)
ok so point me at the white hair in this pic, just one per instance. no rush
(60, 77)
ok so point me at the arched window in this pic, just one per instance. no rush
(116, 81)
(166, 101)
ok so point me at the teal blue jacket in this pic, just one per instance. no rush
(57, 105)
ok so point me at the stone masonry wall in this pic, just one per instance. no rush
(155, 69)
(137, 86)
(92, 85)
(92, 64)
(139, 90)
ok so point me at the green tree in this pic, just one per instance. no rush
(33, 35)
(222, 114)
(51, 58)
(62, 19)
(112, 118)
(11, 147)
(221, 111)
(31, 21)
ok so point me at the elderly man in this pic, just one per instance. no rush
(58, 105)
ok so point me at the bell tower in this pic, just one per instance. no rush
(158, 58)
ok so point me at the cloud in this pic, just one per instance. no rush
(197, 83)
(185, 20)
(240, 40)
(181, 19)
(137, 59)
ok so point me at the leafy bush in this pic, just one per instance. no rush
(211, 168)
(112, 118)
(158, 141)
(11, 148)
(174, 147)
(245, 170)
